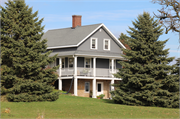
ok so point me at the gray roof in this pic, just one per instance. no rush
(68, 36)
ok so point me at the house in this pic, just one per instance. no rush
(88, 57)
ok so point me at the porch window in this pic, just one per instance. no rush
(57, 61)
(93, 43)
(106, 44)
(87, 87)
(110, 65)
(87, 63)
(63, 62)
(71, 62)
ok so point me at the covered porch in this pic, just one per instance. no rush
(87, 87)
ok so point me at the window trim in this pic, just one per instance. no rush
(85, 87)
(68, 64)
(108, 44)
(96, 44)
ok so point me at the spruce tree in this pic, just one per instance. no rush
(168, 95)
(146, 65)
(123, 38)
(24, 76)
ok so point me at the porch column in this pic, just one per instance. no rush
(75, 76)
(112, 87)
(94, 66)
(60, 84)
(60, 66)
(75, 86)
(75, 65)
(94, 80)
(112, 64)
(112, 81)
(94, 88)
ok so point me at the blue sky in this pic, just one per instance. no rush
(117, 15)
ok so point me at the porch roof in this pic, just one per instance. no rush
(88, 53)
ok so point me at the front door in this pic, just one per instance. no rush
(99, 88)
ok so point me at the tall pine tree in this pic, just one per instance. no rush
(24, 76)
(146, 66)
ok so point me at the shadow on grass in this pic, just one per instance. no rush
(108, 101)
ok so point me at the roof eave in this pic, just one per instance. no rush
(67, 46)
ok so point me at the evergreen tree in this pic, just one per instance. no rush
(146, 67)
(168, 96)
(123, 38)
(24, 76)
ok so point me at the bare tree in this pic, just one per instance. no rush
(169, 15)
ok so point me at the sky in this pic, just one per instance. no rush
(116, 15)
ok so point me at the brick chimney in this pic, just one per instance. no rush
(76, 20)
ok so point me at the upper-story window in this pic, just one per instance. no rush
(87, 63)
(70, 62)
(106, 44)
(93, 43)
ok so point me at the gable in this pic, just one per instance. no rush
(101, 34)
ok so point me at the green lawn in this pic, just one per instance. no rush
(79, 107)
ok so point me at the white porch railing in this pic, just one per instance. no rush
(85, 71)
(67, 72)
(100, 72)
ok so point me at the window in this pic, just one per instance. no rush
(99, 87)
(71, 63)
(57, 61)
(110, 87)
(87, 86)
(106, 44)
(93, 43)
(63, 62)
(110, 65)
(87, 63)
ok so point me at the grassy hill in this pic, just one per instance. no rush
(80, 107)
